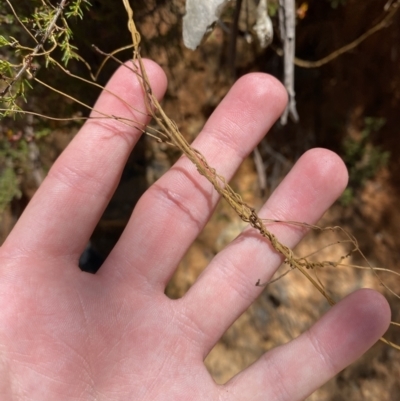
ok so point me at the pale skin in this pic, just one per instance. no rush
(115, 336)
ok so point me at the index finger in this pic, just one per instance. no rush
(65, 210)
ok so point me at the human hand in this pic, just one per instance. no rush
(115, 336)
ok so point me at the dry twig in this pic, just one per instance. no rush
(391, 10)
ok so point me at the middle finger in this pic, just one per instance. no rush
(174, 210)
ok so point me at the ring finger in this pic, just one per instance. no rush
(227, 286)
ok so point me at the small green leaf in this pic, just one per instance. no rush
(4, 41)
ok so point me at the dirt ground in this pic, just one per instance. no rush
(197, 82)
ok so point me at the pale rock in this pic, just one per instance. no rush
(200, 15)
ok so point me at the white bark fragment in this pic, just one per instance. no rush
(263, 27)
(200, 15)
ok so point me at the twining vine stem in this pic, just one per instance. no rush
(244, 211)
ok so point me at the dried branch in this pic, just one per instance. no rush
(287, 26)
(393, 8)
(233, 39)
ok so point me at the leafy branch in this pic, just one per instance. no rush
(45, 21)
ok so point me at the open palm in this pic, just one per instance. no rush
(115, 335)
